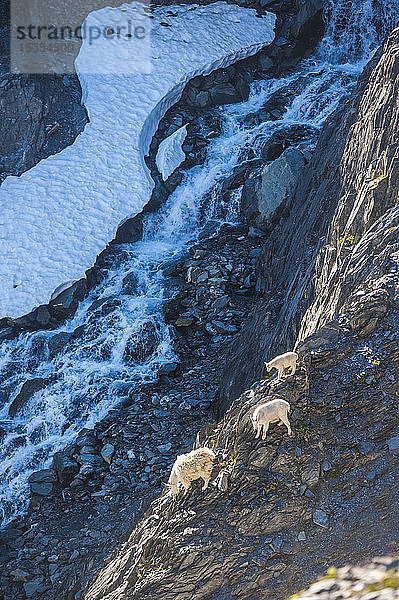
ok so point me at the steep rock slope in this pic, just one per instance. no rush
(348, 187)
(281, 510)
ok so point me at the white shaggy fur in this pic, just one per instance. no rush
(188, 467)
(271, 412)
(282, 362)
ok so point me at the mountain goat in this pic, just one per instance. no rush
(271, 412)
(282, 362)
(188, 467)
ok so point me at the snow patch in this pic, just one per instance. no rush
(58, 216)
(170, 154)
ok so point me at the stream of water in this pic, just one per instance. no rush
(96, 370)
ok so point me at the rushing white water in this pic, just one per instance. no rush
(125, 339)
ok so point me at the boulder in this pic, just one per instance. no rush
(224, 93)
(130, 230)
(57, 342)
(107, 452)
(43, 476)
(67, 300)
(141, 344)
(275, 185)
(28, 389)
(65, 467)
(168, 368)
(41, 489)
(130, 284)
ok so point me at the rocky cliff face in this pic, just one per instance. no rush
(310, 266)
(41, 115)
(281, 510)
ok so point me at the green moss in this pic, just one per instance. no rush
(391, 581)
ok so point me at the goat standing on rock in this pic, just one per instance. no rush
(188, 467)
(271, 412)
(282, 362)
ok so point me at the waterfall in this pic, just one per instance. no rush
(96, 370)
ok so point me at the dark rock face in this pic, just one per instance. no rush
(264, 196)
(332, 246)
(142, 344)
(41, 115)
(29, 388)
(57, 343)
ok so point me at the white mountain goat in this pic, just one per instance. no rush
(188, 467)
(282, 362)
(271, 412)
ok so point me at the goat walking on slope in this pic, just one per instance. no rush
(188, 467)
(283, 362)
(271, 412)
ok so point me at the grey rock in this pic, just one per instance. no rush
(222, 480)
(393, 443)
(265, 62)
(107, 452)
(41, 489)
(168, 368)
(365, 447)
(33, 588)
(164, 447)
(87, 450)
(224, 93)
(130, 231)
(57, 342)
(275, 185)
(321, 518)
(65, 467)
(90, 460)
(43, 476)
(130, 284)
(68, 299)
(311, 473)
(20, 575)
(141, 344)
(28, 389)
(224, 328)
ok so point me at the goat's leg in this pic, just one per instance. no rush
(206, 479)
(287, 424)
(293, 368)
(186, 484)
(259, 430)
(265, 429)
